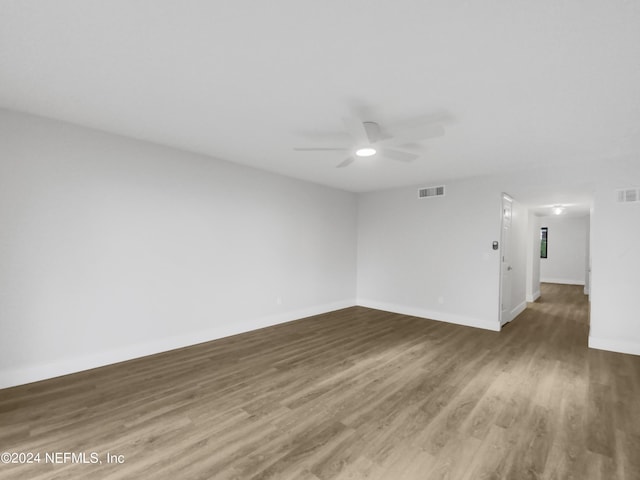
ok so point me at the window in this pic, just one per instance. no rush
(544, 232)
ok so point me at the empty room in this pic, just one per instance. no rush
(319, 240)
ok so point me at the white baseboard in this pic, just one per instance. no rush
(564, 281)
(21, 375)
(534, 297)
(620, 346)
(429, 314)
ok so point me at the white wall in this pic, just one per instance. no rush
(615, 262)
(533, 258)
(566, 250)
(587, 258)
(432, 257)
(112, 248)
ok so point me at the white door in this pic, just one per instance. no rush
(505, 261)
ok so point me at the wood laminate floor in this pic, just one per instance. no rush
(354, 394)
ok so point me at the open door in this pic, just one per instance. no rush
(505, 260)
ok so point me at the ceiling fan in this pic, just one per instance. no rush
(368, 140)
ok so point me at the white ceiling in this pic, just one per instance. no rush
(518, 84)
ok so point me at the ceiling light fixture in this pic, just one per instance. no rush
(558, 209)
(366, 152)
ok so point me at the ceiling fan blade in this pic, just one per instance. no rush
(348, 161)
(323, 137)
(356, 129)
(399, 155)
(321, 149)
(373, 131)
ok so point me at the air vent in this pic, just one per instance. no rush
(431, 192)
(628, 195)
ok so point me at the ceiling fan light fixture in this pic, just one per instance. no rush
(366, 152)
